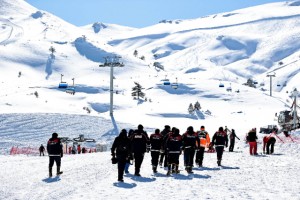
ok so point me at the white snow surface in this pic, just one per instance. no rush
(198, 54)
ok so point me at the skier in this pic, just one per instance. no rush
(173, 150)
(155, 142)
(232, 137)
(42, 150)
(130, 158)
(220, 140)
(121, 150)
(204, 142)
(189, 139)
(269, 142)
(251, 139)
(55, 152)
(139, 144)
(163, 157)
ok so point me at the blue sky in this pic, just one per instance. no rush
(137, 13)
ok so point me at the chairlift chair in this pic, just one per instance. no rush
(70, 90)
(62, 85)
(174, 85)
(221, 85)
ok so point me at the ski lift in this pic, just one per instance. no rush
(62, 85)
(81, 138)
(175, 85)
(70, 90)
(221, 85)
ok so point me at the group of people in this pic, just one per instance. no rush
(166, 146)
(268, 142)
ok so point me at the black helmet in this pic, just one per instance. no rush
(140, 127)
(54, 135)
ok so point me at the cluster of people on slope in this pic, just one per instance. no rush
(268, 142)
(166, 146)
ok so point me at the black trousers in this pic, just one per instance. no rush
(138, 159)
(154, 157)
(200, 155)
(56, 159)
(189, 154)
(231, 146)
(219, 150)
(173, 158)
(121, 166)
(270, 147)
(163, 159)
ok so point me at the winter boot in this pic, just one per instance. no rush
(58, 171)
(50, 171)
(154, 168)
(177, 170)
(219, 162)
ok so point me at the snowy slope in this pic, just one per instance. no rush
(92, 176)
(198, 54)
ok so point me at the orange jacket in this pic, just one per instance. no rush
(204, 139)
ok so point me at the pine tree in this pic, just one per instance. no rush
(191, 108)
(137, 91)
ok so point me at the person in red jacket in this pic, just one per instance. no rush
(220, 140)
(268, 144)
(251, 139)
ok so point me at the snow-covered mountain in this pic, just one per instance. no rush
(198, 54)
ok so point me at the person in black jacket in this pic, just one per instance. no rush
(232, 137)
(42, 150)
(155, 142)
(220, 140)
(140, 143)
(189, 139)
(55, 152)
(121, 149)
(173, 149)
(163, 157)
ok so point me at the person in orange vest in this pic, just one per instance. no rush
(204, 143)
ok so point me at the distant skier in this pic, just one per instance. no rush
(121, 149)
(173, 150)
(189, 139)
(232, 137)
(163, 158)
(251, 139)
(42, 150)
(140, 143)
(55, 152)
(204, 142)
(220, 140)
(156, 140)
